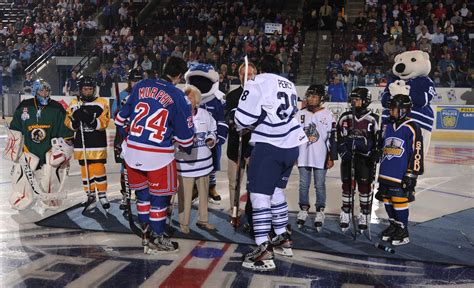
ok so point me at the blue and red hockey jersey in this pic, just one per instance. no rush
(159, 115)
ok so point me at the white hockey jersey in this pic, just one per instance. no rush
(269, 103)
(317, 127)
(199, 162)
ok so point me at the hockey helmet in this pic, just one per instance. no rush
(318, 90)
(362, 93)
(86, 81)
(403, 104)
(134, 75)
(39, 85)
(204, 77)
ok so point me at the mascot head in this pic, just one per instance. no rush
(411, 64)
(203, 77)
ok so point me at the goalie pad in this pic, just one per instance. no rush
(14, 147)
(22, 194)
(60, 153)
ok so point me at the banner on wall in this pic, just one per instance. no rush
(455, 118)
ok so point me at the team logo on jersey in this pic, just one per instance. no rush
(393, 148)
(25, 116)
(200, 139)
(312, 133)
(38, 135)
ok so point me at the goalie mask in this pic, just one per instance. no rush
(87, 82)
(41, 90)
(204, 77)
(365, 96)
(315, 96)
(399, 105)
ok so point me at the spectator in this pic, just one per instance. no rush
(337, 91)
(354, 66)
(425, 45)
(27, 84)
(438, 37)
(104, 81)
(325, 12)
(445, 62)
(390, 49)
(360, 22)
(72, 88)
(449, 78)
(146, 63)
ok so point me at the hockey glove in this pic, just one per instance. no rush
(345, 152)
(409, 182)
(359, 143)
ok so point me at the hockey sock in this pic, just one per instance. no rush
(261, 216)
(365, 198)
(389, 207)
(158, 213)
(279, 211)
(143, 205)
(400, 205)
(212, 179)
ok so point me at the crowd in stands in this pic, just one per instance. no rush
(363, 51)
(217, 33)
(55, 24)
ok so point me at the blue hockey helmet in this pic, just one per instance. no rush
(38, 86)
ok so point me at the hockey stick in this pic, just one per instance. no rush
(84, 155)
(170, 230)
(352, 190)
(235, 221)
(136, 229)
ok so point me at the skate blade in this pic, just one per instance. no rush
(288, 252)
(90, 207)
(262, 266)
(160, 252)
(403, 242)
(318, 229)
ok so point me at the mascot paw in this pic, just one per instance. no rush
(399, 87)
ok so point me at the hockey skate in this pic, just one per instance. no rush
(158, 244)
(302, 215)
(214, 197)
(400, 236)
(344, 220)
(319, 220)
(388, 232)
(90, 203)
(123, 203)
(104, 201)
(363, 221)
(260, 259)
(282, 244)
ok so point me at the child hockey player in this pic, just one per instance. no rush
(402, 162)
(89, 116)
(356, 137)
(317, 155)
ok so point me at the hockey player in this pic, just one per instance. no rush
(318, 155)
(232, 100)
(402, 163)
(38, 141)
(134, 75)
(194, 168)
(89, 116)
(268, 105)
(206, 79)
(159, 114)
(356, 137)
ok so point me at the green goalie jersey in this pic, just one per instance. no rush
(40, 125)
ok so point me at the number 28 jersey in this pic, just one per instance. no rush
(269, 104)
(159, 114)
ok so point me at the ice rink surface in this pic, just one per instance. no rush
(33, 256)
